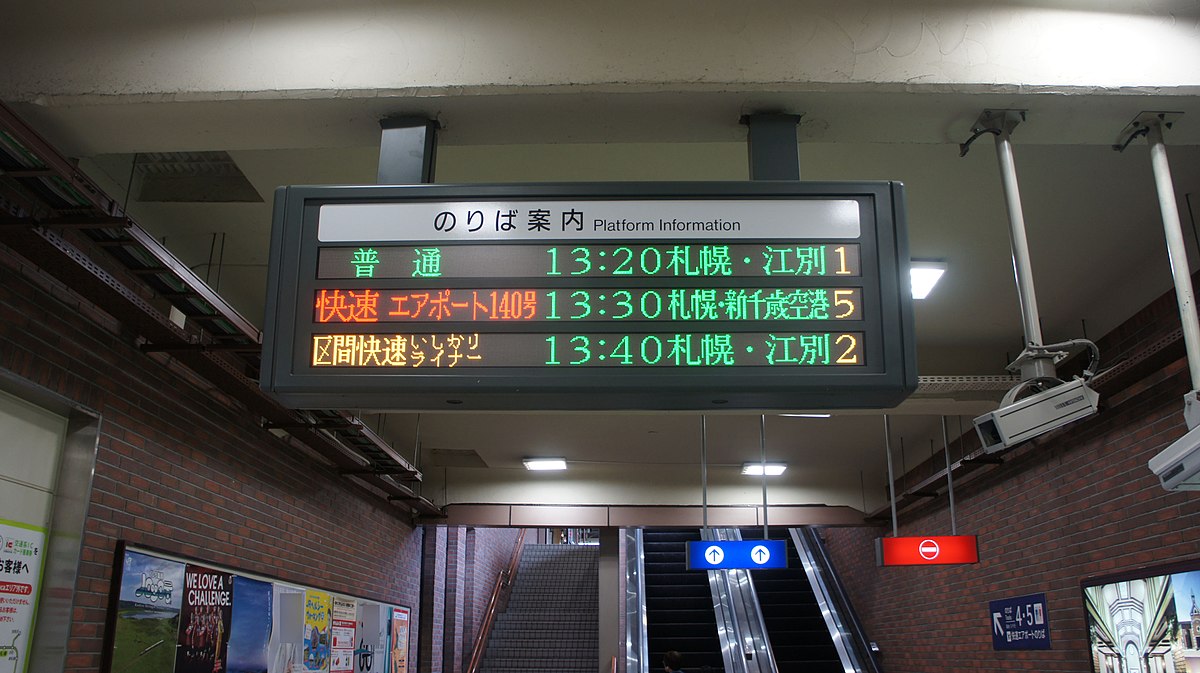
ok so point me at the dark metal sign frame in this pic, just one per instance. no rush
(886, 376)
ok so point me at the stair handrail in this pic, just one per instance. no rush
(500, 592)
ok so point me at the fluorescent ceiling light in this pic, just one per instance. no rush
(756, 469)
(805, 415)
(545, 463)
(924, 276)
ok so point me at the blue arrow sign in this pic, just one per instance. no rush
(729, 554)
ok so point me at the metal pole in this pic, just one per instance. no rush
(774, 153)
(407, 150)
(704, 469)
(1176, 250)
(762, 449)
(949, 478)
(1020, 244)
(887, 448)
(417, 452)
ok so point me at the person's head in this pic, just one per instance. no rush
(672, 660)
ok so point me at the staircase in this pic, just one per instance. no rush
(679, 604)
(551, 623)
(799, 636)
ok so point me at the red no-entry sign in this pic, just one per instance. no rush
(927, 550)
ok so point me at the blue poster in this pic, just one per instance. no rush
(1020, 623)
(251, 630)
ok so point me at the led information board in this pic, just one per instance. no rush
(590, 296)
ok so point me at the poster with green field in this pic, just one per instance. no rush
(147, 620)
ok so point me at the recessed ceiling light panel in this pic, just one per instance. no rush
(545, 464)
(756, 469)
(924, 275)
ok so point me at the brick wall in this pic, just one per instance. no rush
(1074, 504)
(493, 550)
(460, 569)
(181, 471)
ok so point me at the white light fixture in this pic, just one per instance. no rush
(756, 469)
(805, 415)
(924, 275)
(545, 464)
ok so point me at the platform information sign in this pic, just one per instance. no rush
(590, 296)
(731, 554)
(1020, 623)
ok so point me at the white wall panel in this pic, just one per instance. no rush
(30, 446)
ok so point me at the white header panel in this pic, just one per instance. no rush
(590, 220)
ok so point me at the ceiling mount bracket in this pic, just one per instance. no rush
(1140, 126)
(994, 122)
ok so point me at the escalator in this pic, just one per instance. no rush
(737, 621)
(679, 603)
(798, 632)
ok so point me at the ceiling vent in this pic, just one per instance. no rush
(192, 177)
(456, 458)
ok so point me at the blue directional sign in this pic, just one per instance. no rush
(730, 554)
(1020, 623)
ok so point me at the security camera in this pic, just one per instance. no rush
(1035, 415)
(1178, 465)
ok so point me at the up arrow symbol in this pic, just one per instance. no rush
(715, 554)
(760, 554)
(997, 625)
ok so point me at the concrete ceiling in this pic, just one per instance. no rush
(1094, 229)
(886, 90)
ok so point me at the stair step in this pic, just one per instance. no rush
(552, 618)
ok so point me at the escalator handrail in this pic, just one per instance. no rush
(843, 622)
(728, 632)
(636, 645)
(746, 621)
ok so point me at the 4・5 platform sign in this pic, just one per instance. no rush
(1020, 623)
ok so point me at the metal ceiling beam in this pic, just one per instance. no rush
(92, 247)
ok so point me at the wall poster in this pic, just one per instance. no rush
(21, 550)
(398, 641)
(1145, 621)
(345, 617)
(147, 617)
(250, 627)
(169, 615)
(317, 617)
(287, 621)
(204, 621)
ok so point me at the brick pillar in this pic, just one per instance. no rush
(452, 633)
(470, 611)
(433, 588)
